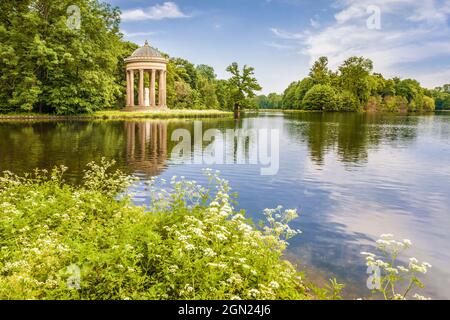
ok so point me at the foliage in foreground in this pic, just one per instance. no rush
(190, 244)
(59, 241)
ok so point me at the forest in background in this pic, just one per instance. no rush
(355, 87)
(48, 67)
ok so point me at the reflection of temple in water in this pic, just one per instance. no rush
(146, 146)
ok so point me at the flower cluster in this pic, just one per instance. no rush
(392, 274)
(211, 234)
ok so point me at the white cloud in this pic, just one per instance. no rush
(435, 78)
(286, 35)
(138, 34)
(167, 10)
(411, 32)
(314, 23)
(277, 46)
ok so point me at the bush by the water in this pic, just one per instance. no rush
(189, 244)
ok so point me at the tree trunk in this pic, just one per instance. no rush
(237, 111)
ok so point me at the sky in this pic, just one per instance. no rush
(282, 38)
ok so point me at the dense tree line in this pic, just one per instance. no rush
(354, 87)
(197, 87)
(51, 64)
(441, 95)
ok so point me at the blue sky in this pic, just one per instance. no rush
(281, 38)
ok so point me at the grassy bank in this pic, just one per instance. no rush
(117, 114)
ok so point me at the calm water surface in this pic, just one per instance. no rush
(352, 177)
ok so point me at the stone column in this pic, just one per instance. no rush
(132, 88)
(165, 88)
(152, 89)
(128, 90)
(162, 89)
(141, 87)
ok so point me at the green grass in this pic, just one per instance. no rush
(117, 114)
(171, 113)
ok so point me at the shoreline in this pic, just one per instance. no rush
(117, 114)
(168, 114)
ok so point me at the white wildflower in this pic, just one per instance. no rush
(274, 284)
(209, 252)
(419, 297)
(402, 269)
(407, 242)
(253, 293)
(221, 237)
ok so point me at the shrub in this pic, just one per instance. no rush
(59, 241)
(374, 104)
(395, 104)
(428, 104)
(321, 97)
(347, 101)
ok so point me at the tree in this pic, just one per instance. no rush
(412, 91)
(354, 76)
(442, 100)
(321, 97)
(275, 101)
(242, 84)
(441, 95)
(289, 101)
(223, 93)
(428, 104)
(302, 88)
(206, 83)
(319, 72)
(206, 72)
(445, 88)
(207, 92)
(395, 104)
(185, 71)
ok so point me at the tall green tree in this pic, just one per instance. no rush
(320, 73)
(289, 100)
(242, 84)
(206, 71)
(354, 76)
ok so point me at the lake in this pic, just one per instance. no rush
(352, 177)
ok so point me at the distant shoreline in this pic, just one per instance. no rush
(322, 111)
(168, 114)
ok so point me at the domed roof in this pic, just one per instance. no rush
(146, 51)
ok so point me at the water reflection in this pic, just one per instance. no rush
(352, 177)
(350, 135)
(146, 147)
